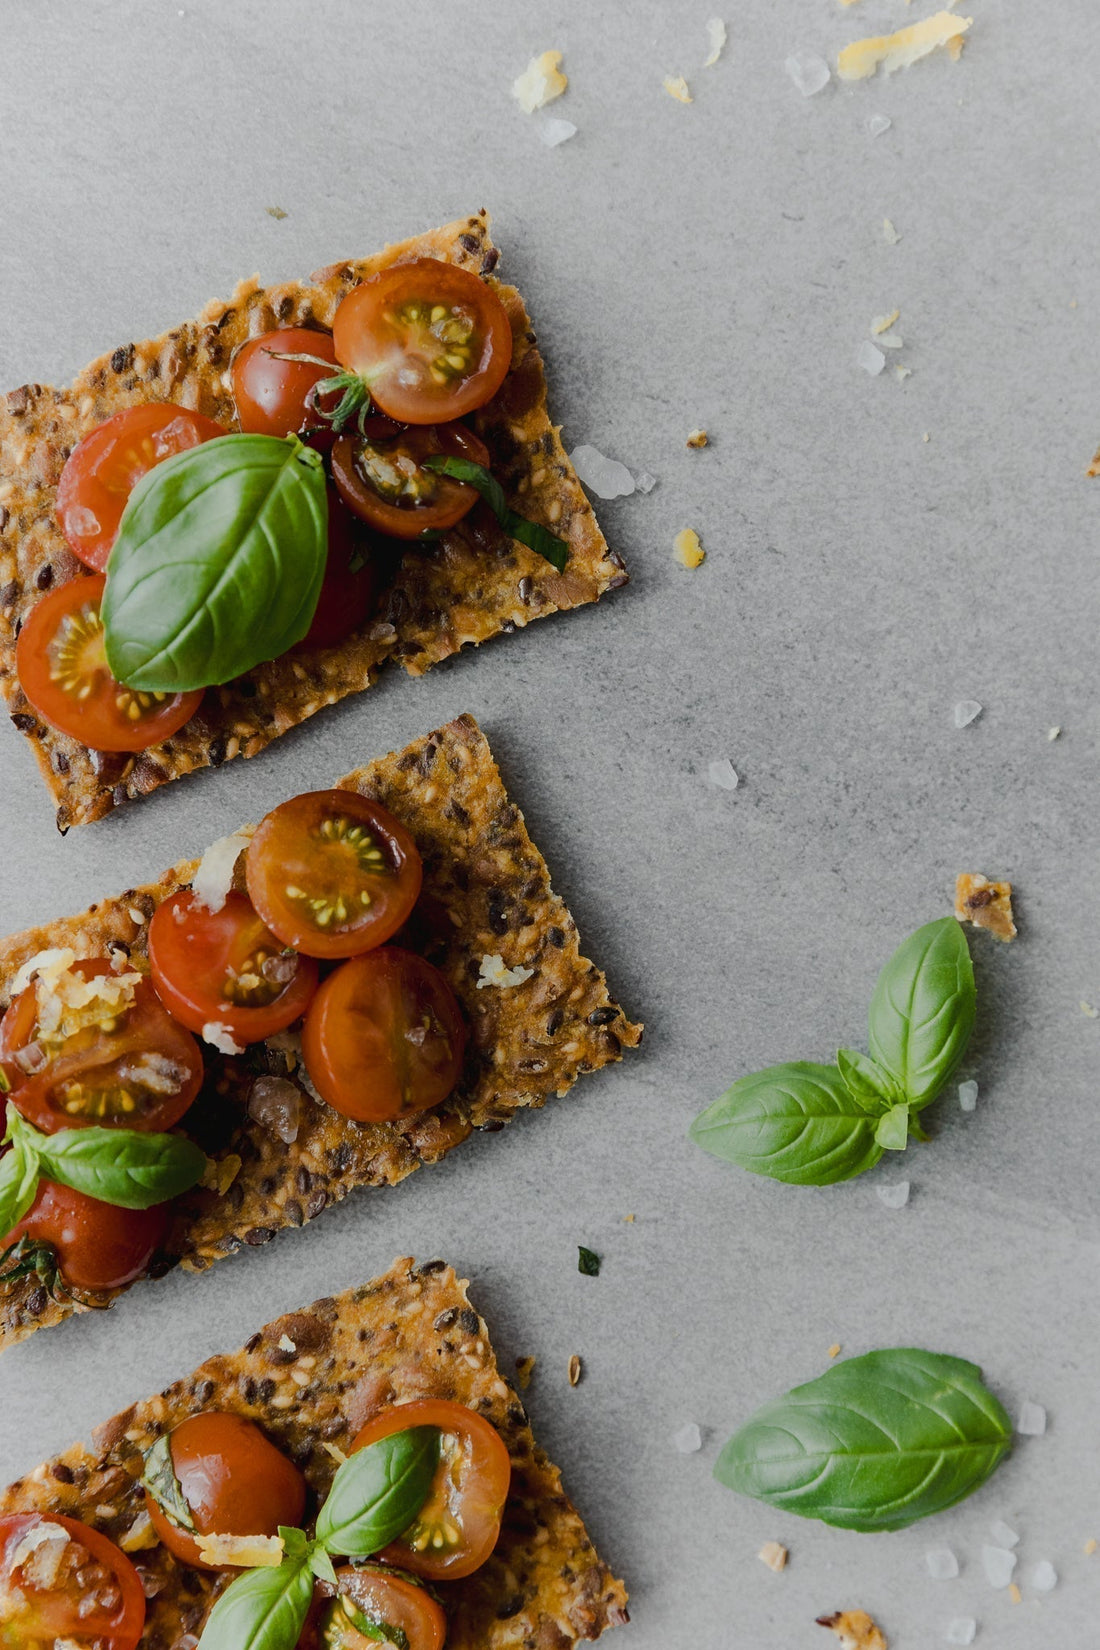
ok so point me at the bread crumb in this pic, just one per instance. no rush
(855, 1630)
(575, 1368)
(1014, 1593)
(676, 86)
(698, 438)
(525, 1368)
(862, 58)
(629, 1219)
(220, 1173)
(1094, 467)
(834, 1350)
(1090, 1546)
(985, 904)
(774, 1556)
(687, 549)
(540, 83)
(275, 212)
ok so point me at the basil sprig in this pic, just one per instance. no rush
(125, 1167)
(873, 1444)
(375, 1496)
(531, 533)
(218, 563)
(812, 1125)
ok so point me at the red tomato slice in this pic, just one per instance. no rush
(332, 873)
(102, 471)
(431, 340)
(84, 1590)
(381, 1597)
(234, 1481)
(387, 486)
(226, 967)
(142, 1073)
(384, 1036)
(273, 396)
(96, 1246)
(351, 580)
(62, 667)
(457, 1527)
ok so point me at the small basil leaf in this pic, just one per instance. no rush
(922, 1010)
(892, 1129)
(530, 533)
(588, 1262)
(125, 1167)
(159, 1477)
(321, 1564)
(19, 1171)
(262, 1609)
(866, 1081)
(378, 1492)
(218, 563)
(795, 1122)
(873, 1444)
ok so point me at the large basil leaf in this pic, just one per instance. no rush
(378, 1492)
(796, 1122)
(126, 1167)
(19, 1169)
(218, 563)
(263, 1609)
(873, 1444)
(922, 1011)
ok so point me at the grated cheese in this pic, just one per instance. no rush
(66, 1002)
(687, 549)
(540, 83)
(244, 1552)
(214, 877)
(493, 972)
(716, 40)
(676, 86)
(883, 323)
(220, 1037)
(862, 58)
(774, 1555)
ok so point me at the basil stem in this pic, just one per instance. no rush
(378, 1492)
(922, 1010)
(125, 1167)
(531, 533)
(218, 563)
(796, 1122)
(158, 1476)
(873, 1444)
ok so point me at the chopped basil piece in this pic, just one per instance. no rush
(531, 533)
(588, 1262)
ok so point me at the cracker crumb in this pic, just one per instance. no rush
(862, 58)
(275, 212)
(1094, 467)
(286, 1344)
(883, 323)
(1087, 1008)
(140, 1536)
(676, 86)
(629, 1219)
(1015, 1594)
(1090, 1546)
(716, 40)
(890, 234)
(774, 1555)
(985, 904)
(835, 1349)
(575, 1370)
(698, 438)
(687, 549)
(220, 1173)
(855, 1630)
(540, 83)
(525, 1368)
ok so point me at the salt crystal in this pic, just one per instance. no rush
(892, 341)
(1044, 1577)
(966, 711)
(877, 124)
(605, 477)
(1052, 734)
(553, 132)
(644, 482)
(891, 234)
(809, 72)
(688, 1439)
(723, 774)
(1087, 1008)
(895, 1196)
(961, 1630)
(716, 40)
(902, 373)
(998, 1564)
(1033, 1420)
(968, 1101)
(870, 358)
(1003, 1534)
(942, 1564)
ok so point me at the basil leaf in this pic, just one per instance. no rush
(19, 1171)
(262, 1609)
(158, 1476)
(378, 1492)
(795, 1122)
(125, 1167)
(922, 1010)
(530, 533)
(873, 1444)
(892, 1129)
(218, 563)
(588, 1262)
(866, 1081)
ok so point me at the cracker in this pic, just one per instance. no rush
(473, 583)
(490, 889)
(986, 904)
(408, 1334)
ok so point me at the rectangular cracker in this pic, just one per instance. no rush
(490, 890)
(474, 582)
(408, 1334)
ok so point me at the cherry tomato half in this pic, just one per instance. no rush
(272, 395)
(83, 1590)
(384, 1036)
(386, 484)
(227, 967)
(380, 1597)
(141, 1072)
(103, 470)
(332, 874)
(234, 1481)
(96, 1245)
(62, 666)
(431, 340)
(350, 583)
(458, 1525)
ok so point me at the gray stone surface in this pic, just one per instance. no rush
(876, 551)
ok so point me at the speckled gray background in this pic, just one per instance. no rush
(876, 551)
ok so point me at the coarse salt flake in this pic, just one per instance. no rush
(677, 87)
(895, 1196)
(722, 773)
(998, 1564)
(214, 877)
(220, 1037)
(540, 83)
(877, 124)
(687, 549)
(962, 1630)
(968, 1095)
(774, 1555)
(889, 233)
(1089, 1010)
(493, 972)
(552, 132)
(966, 711)
(1003, 1534)
(688, 1440)
(1033, 1419)
(809, 72)
(862, 58)
(942, 1563)
(902, 373)
(716, 40)
(644, 482)
(604, 476)
(870, 358)
(1044, 1577)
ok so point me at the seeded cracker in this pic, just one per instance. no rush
(490, 888)
(475, 582)
(408, 1334)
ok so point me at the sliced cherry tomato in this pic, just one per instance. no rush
(386, 484)
(351, 580)
(332, 874)
(82, 1590)
(234, 1480)
(431, 340)
(103, 470)
(384, 1036)
(96, 1246)
(139, 1070)
(62, 667)
(226, 967)
(379, 1597)
(272, 395)
(458, 1525)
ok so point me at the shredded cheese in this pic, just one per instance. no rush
(716, 40)
(540, 83)
(493, 972)
(220, 1037)
(66, 1002)
(214, 877)
(676, 86)
(862, 58)
(687, 549)
(245, 1552)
